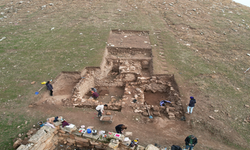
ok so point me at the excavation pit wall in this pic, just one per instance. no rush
(128, 64)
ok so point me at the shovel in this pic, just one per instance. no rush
(150, 117)
(39, 90)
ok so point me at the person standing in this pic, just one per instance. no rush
(119, 128)
(191, 105)
(100, 109)
(50, 88)
(190, 142)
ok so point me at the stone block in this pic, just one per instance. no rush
(151, 147)
(85, 144)
(77, 133)
(40, 146)
(99, 147)
(58, 123)
(23, 147)
(72, 136)
(61, 139)
(63, 135)
(71, 141)
(69, 129)
(156, 113)
(114, 143)
(42, 135)
(156, 108)
(94, 143)
(80, 140)
(17, 143)
(128, 133)
(139, 147)
(145, 113)
(171, 109)
(171, 117)
(90, 136)
(78, 145)
(170, 114)
(61, 131)
(167, 110)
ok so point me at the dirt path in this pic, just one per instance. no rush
(158, 130)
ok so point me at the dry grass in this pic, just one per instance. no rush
(213, 63)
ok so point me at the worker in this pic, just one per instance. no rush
(163, 102)
(50, 88)
(100, 109)
(119, 128)
(94, 89)
(95, 95)
(134, 143)
(190, 142)
(191, 105)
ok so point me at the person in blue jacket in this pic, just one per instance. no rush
(191, 105)
(163, 102)
(50, 88)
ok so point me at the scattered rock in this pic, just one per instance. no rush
(211, 117)
(216, 111)
(17, 143)
(145, 113)
(246, 106)
(33, 82)
(19, 135)
(128, 133)
(2, 37)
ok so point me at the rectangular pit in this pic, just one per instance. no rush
(65, 82)
(155, 98)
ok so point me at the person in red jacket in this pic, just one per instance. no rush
(95, 95)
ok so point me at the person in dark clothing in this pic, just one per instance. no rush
(95, 95)
(119, 128)
(176, 147)
(190, 142)
(50, 87)
(191, 105)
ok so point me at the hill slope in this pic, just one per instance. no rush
(204, 43)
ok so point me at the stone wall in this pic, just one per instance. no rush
(129, 50)
(131, 31)
(47, 138)
(83, 86)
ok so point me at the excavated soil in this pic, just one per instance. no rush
(65, 82)
(155, 98)
(129, 39)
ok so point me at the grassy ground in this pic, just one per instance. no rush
(72, 37)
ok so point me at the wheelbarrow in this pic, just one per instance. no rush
(106, 118)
